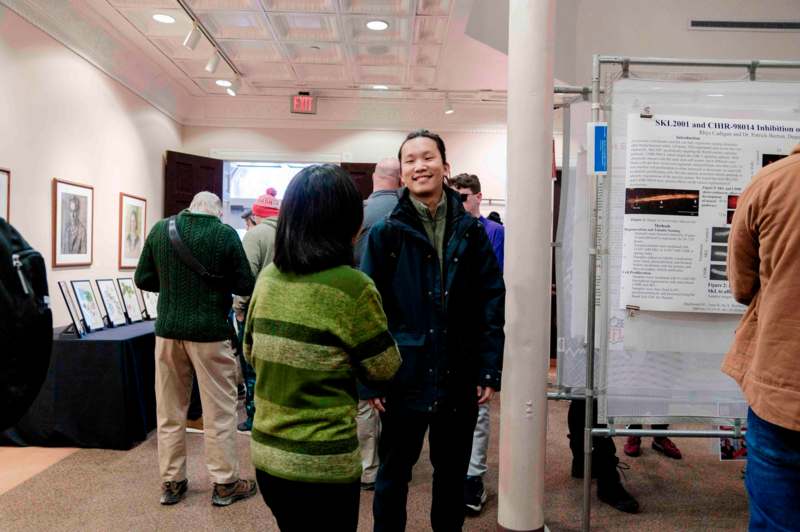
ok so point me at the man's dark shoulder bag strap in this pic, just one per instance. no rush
(186, 255)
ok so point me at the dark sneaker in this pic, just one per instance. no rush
(616, 496)
(227, 494)
(474, 494)
(368, 486)
(245, 427)
(173, 491)
(667, 448)
(633, 446)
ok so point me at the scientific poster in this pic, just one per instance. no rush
(682, 183)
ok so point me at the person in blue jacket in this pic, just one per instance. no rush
(444, 297)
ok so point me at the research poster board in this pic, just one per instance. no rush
(683, 178)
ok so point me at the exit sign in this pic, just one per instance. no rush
(304, 104)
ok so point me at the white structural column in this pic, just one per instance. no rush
(523, 419)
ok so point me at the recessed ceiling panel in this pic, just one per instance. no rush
(320, 53)
(425, 55)
(236, 24)
(398, 30)
(381, 74)
(243, 49)
(265, 71)
(423, 77)
(144, 22)
(433, 7)
(381, 54)
(377, 7)
(169, 4)
(224, 5)
(335, 73)
(301, 6)
(305, 27)
(430, 30)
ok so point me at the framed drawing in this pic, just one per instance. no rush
(150, 304)
(128, 290)
(73, 213)
(87, 303)
(5, 193)
(132, 217)
(72, 308)
(112, 302)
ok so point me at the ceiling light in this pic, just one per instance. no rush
(315, 47)
(448, 107)
(380, 87)
(234, 88)
(164, 19)
(716, 95)
(193, 38)
(213, 63)
(224, 83)
(377, 25)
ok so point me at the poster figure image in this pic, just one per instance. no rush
(671, 202)
(150, 304)
(87, 303)
(5, 193)
(73, 211)
(732, 448)
(112, 302)
(72, 308)
(132, 217)
(769, 158)
(719, 235)
(128, 290)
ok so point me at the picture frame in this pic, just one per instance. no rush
(112, 302)
(128, 291)
(150, 304)
(72, 308)
(73, 223)
(132, 229)
(5, 193)
(87, 303)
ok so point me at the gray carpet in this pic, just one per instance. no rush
(118, 490)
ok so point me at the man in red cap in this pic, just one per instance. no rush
(259, 246)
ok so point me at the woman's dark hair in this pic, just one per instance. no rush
(428, 135)
(320, 214)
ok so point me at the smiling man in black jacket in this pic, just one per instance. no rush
(444, 297)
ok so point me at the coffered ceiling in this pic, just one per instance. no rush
(314, 44)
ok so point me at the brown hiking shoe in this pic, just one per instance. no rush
(173, 491)
(194, 425)
(226, 494)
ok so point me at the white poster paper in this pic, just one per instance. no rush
(682, 183)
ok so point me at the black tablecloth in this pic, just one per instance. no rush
(99, 392)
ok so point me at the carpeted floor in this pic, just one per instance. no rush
(99, 490)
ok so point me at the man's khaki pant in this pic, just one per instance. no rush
(368, 423)
(215, 366)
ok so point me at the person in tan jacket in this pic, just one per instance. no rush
(764, 273)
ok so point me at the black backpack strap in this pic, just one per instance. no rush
(186, 255)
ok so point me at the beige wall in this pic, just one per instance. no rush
(480, 153)
(62, 117)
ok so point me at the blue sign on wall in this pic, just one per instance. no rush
(600, 148)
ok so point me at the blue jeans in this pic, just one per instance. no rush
(773, 475)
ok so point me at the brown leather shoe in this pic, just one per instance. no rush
(173, 491)
(227, 494)
(194, 425)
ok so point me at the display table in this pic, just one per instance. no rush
(99, 392)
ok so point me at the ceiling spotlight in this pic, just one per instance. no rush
(234, 88)
(193, 38)
(164, 19)
(377, 25)
(224, 83)
(213, 63)
(448, 107)
(380, 87)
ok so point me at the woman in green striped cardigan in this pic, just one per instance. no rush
(315, 325)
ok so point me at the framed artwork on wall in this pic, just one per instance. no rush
(128, 290)
(150, 304)
(112, 302)
(5, 193)
(72, 308)
(73, 217)
(87, 303)
(132, 225)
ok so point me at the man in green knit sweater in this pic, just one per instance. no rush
(193, 334)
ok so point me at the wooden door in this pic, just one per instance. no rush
(362, 176)
(185, 175)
